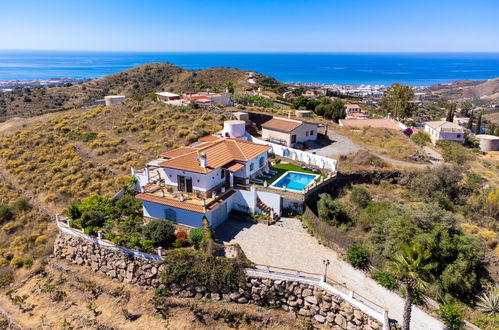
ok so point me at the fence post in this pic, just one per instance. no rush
(386, 319)
(323, 278)
(99, 235)
(298, 273)
(57, 218)
(160, 252)
(352, 294)
(267, 268)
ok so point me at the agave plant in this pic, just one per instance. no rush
(488, 303)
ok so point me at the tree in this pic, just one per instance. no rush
(360, 196)
(451, 112)
(397, 100)
(337, 111)
(466, 108)
(201, 84)
(488, 303)
(331, 211)
(478, 127)
(161, 232)
(413, 268)
(470, 122)
(229, 86)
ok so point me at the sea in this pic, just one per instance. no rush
(416, 69)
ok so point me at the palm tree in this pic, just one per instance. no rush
(412, 266)
(488, 303)
(229, 86)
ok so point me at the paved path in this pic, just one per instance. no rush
(435, 157)
(288, 245)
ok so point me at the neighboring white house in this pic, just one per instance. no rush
(444, 130)
(167, 96)
(209, 98)
(288, 132)
(113, 99)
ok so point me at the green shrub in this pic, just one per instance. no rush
(194, 267)
(360, 196)
(5, 213)
(196, 236)
(331, 210)
(160, 232)
(452, 315)
(161, 292)
(385, 279)
(358, 256)
(21, 204)
(421, 138)
(454, 152)
(89, 136)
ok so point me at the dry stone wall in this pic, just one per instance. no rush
(300, 299)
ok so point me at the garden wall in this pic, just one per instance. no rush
(301, 298)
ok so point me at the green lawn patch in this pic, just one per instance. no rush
(281, 168)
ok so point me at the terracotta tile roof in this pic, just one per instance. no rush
(282, 125)
(218, 153)
(352, 106)
(233, 166)
(184, 205)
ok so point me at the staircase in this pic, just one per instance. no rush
(268, 211)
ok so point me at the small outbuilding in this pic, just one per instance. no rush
(444, 130)
(114, 99)
(488, 142)
(288, 132)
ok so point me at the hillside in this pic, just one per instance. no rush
(137, 82)
(466, 89)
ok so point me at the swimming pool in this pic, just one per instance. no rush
(294, 181)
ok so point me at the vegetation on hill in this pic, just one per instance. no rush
(450, 211)
(85, 152)
(137, 83)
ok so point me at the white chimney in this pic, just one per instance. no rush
(203, 162)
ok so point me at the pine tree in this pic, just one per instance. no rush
(470, 122)
(478, 127)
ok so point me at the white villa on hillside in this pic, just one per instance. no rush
(225, 172)
(444, 130)
(288, 132)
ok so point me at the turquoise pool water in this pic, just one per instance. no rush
(294, 181)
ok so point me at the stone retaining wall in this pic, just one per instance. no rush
(300, 299)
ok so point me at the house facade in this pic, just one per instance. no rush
(288, 132)
(444, 130)
(199, 181)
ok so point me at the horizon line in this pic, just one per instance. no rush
(248, 52)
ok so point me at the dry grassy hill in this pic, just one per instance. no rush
(137, 82)
(466, 89)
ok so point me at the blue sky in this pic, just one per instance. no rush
(251, 26)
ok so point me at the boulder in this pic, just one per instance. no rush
(341, 321)
(319, 318)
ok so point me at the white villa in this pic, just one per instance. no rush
(288, 132)
(221, 173)
(444, 130)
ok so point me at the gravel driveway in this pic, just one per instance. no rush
(288, 245)
(341, 145)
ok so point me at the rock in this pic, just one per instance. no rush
(311, 300)
(234, 296)
(319, 318)
(215, 296)
(79, 261)
(154, 270)
(306, 293)
(358, 315)
(341, 321)
(242, 300)
(303, 312)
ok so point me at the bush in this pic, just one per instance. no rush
(360, 196)
(42, 239)
(196, 236)
(421, 138)
(21, 204)
(161, 292)
(358, 256)
(5, 213)
(160, 232)
(193, 267)
(452, 316)
(454, 152)
(385, 279)
(331, 211)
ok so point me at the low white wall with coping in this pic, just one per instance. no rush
(299, 155)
